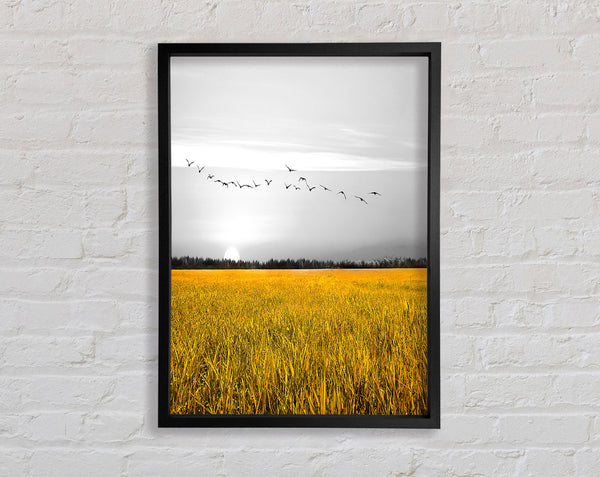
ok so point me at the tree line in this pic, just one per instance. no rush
(187, 262)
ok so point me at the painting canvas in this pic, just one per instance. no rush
(299, 206)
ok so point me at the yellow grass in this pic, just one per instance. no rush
(299, 341)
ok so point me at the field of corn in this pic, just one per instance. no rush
(299, 341)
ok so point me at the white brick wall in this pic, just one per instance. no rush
(520, 239)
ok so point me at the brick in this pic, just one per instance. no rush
(463, 429)
(44, 15)
(105, 52)
(99, 128)
(587, 461)
(586, 50)
(84, 167)
(521, 53)
(14, 461)
(573, 313)
(35, 316)
(31, 282)
(162, 461)
(466, 132)
(16, 168)
(544, 429)
(40, 207)
(457, 462)
(581, 89)
(43, 87)
(105, 208)
(464, 94)
(542, 129)
(530, 351)
(508, 391)
(579, 389)
(38, 51)
(31, 125)
(123, 350)
(44, 352)
(549, 462)
(108, 426)
(75, 462)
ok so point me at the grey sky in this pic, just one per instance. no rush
(351, 124)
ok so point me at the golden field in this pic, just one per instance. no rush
(299, 341)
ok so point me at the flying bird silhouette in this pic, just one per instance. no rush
(310, 189)
(200, 169)
(361, 199)
(302, 179)
(290, 169)
(268, 181)
(325, 188)
(342, 192)
(231, 182)
(374, 193)
(296, 187)
(210, 176)
(189, 163)
(287, 186)
(255, 184)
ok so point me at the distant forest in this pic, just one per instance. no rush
(185, 263)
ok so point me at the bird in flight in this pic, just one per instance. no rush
(210, 176)
(189, 163)
(374, 193)
(296, 187)
(290, 169)
(361, 199)
(255, 184)
(342, 192)
(231, 182)
(325, 188)
(302, 179)
(200, 169)
(310, 189)
(268, 181)
(244, 185)
(287, 186)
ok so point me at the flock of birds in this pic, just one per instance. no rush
(256, 185)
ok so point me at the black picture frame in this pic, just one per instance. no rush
(432, 51)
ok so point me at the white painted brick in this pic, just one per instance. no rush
(99, 128)
(577, 389)
(586, 49)
(527, 350)
(105, 208)
(380, 17)
(44, 15)
(466, 132)
(572, 313)
(161, 461)
(501, 93)
(594, 128)
(14, 462)
(34, 124)
(571, 167)
(35, 351)
(72, 462)
(105, 52)
(107, 427)
(508, 391)
(573, 89)
(542, 129)
(544, 429)
(37, 51)
(485, 16)
(546, 53)
(135, 349)
(518, 313)
(88, 168)
(31, 281)
(587, 462)
(38, 207)
(60, 392)
(16, 168)
(43, 87)
(107, 282)
(429, 17)
(35, 316)
(549, 462)
(458, 462)
(464, 429)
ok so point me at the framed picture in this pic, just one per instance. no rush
(299, 235)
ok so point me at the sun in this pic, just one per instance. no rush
(232, 254)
